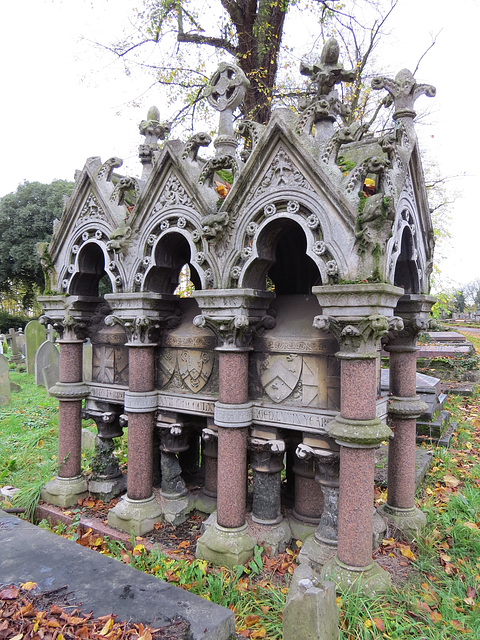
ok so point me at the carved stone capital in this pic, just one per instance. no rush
(266, 455)
(69, 315)
(414, 309)
(142, 315)
(234, 314)
(327, 463)
(358, 335)
(140, 401)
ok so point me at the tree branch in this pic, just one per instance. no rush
(218, 43)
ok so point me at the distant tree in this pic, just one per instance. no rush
(26, 218)
(472, 293)
(459, 301)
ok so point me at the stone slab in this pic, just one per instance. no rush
(446, 336)
(423, 460)
(101, 584)
(439, 351)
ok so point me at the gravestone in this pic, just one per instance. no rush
(47, 356)
(21, 343)
(4, 381)
(35, 334)
(51, 376)
(12, 337)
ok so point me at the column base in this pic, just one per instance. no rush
(107, 489)
(409, 522)
(275, 536)
(225, 547)
(368, 580)
(135, 516)
(315, 553)
(204, 503)
(300, 529)
(176, 508)
(65, 492)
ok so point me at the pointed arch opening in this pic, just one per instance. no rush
(172, 257)
(282, 260)
(91, 278)
(406, 272)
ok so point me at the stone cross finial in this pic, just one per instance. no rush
(153, 131)
(403, 91)
(327, 71)
(225, 92)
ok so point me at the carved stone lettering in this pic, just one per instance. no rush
(107, 393)
(292, 419)
(187, 405)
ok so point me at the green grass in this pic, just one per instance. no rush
(441, 600)
(28, 441)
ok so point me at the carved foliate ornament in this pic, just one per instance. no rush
(358, 335)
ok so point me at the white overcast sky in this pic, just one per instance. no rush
(63, 100)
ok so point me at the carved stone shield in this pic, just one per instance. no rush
(195, 368)
(279, 375)
(165, 366)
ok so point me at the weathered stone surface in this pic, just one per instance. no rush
(311, 611)
(35, 335)
(5, 394)
(47, 354)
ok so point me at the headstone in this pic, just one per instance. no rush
(35, 334)
(87, 361)
(47, 354)
(4, 381)
(21, 342)
(12, 337)
(51, 375)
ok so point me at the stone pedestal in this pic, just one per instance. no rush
(308, 506)
(176, 502)
(268, 526)
(206, 499)
(358, 316)
(318, 548)
(107, 480)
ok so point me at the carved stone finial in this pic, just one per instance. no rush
(403, 91)
(327, 71)
(325, 105)
(225, 91)
(153, 131)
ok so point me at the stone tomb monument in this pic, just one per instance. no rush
(302, 267)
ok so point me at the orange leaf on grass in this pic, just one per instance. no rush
(251, 620)
(451, 481)
(379, 624)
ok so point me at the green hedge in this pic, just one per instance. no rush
(10, 321)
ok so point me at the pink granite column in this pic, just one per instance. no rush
(401, 454)
(232, 441)
(357, 465)
(69, 410)
(141, 368)
(308, 493)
